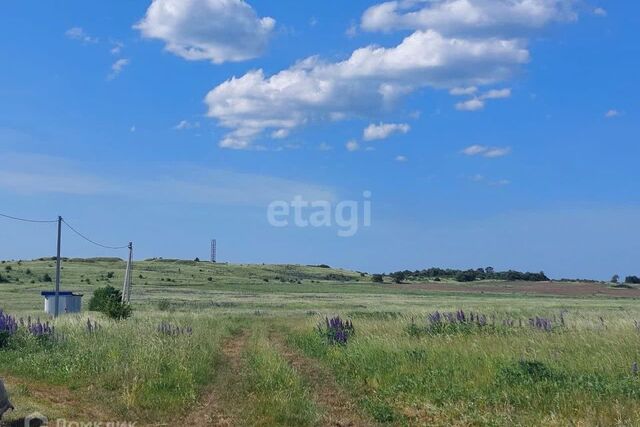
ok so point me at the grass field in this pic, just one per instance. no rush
(255, 356)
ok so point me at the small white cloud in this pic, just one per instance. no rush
(325, 147)
(497, 152)
(460, 91)
(383, 130)
(132, 129)
(477, 103)
(474, 150)
(611, 113)
(473, 104)
(485, 151)
(186, 125)
(477, 178)
(500, 182)
(280, 133)
(214, 30)
(598, 11)
(77, 33)
(352, 145)
(401, 159)
(496, 94)
(117, 67)
(352, 31)
(313, 21)
(116, 47)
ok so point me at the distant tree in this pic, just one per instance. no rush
(398, 276)
(634, 280)
(46, 278)
(3, 279)
(197, 259)
(466, 276)
(8, 268)
(377, 278)
(615, 278)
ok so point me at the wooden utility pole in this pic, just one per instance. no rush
(57, 298)
(126, 288)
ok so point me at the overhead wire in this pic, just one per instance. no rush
(92, 241)
(26, 219)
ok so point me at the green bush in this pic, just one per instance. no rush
(108, 300)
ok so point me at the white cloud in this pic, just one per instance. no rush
(132, 129)
(478, 103)
(496, 94)
(117, 67)
(457, 45)
(280, 134)
(214, 30)
(368, 82)
(383, 130)
(186, 125)
(77, 33)
(611, 113)
(401, 159)
(485, 151)
(325, 147)
(473, 104)
(116, 47)
(497, 152)
(492, 17)
(598, 11)
(352, 31)
(459, 91)
(352, 145)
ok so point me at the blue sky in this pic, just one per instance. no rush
(500, 132)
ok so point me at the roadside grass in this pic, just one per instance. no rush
(142, 373)
(278, 394)
(577, 376)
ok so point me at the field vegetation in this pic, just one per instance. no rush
(216, 344)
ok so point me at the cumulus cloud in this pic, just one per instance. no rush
(77, 33)
(472, 17)
(117, 67)
(612, 113)
(214, 30)
(456, 45)
(371, 80)
(485, 151)
(383, 130)
(401, 159)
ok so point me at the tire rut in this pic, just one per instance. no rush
(339, 410)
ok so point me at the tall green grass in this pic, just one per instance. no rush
(577, 375)
(141, 372)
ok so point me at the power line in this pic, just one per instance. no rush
(25, 219)
(91, 241)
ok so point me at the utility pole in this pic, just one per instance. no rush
(126, 289)
(57, 298)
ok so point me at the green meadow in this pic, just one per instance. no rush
(246, 350)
